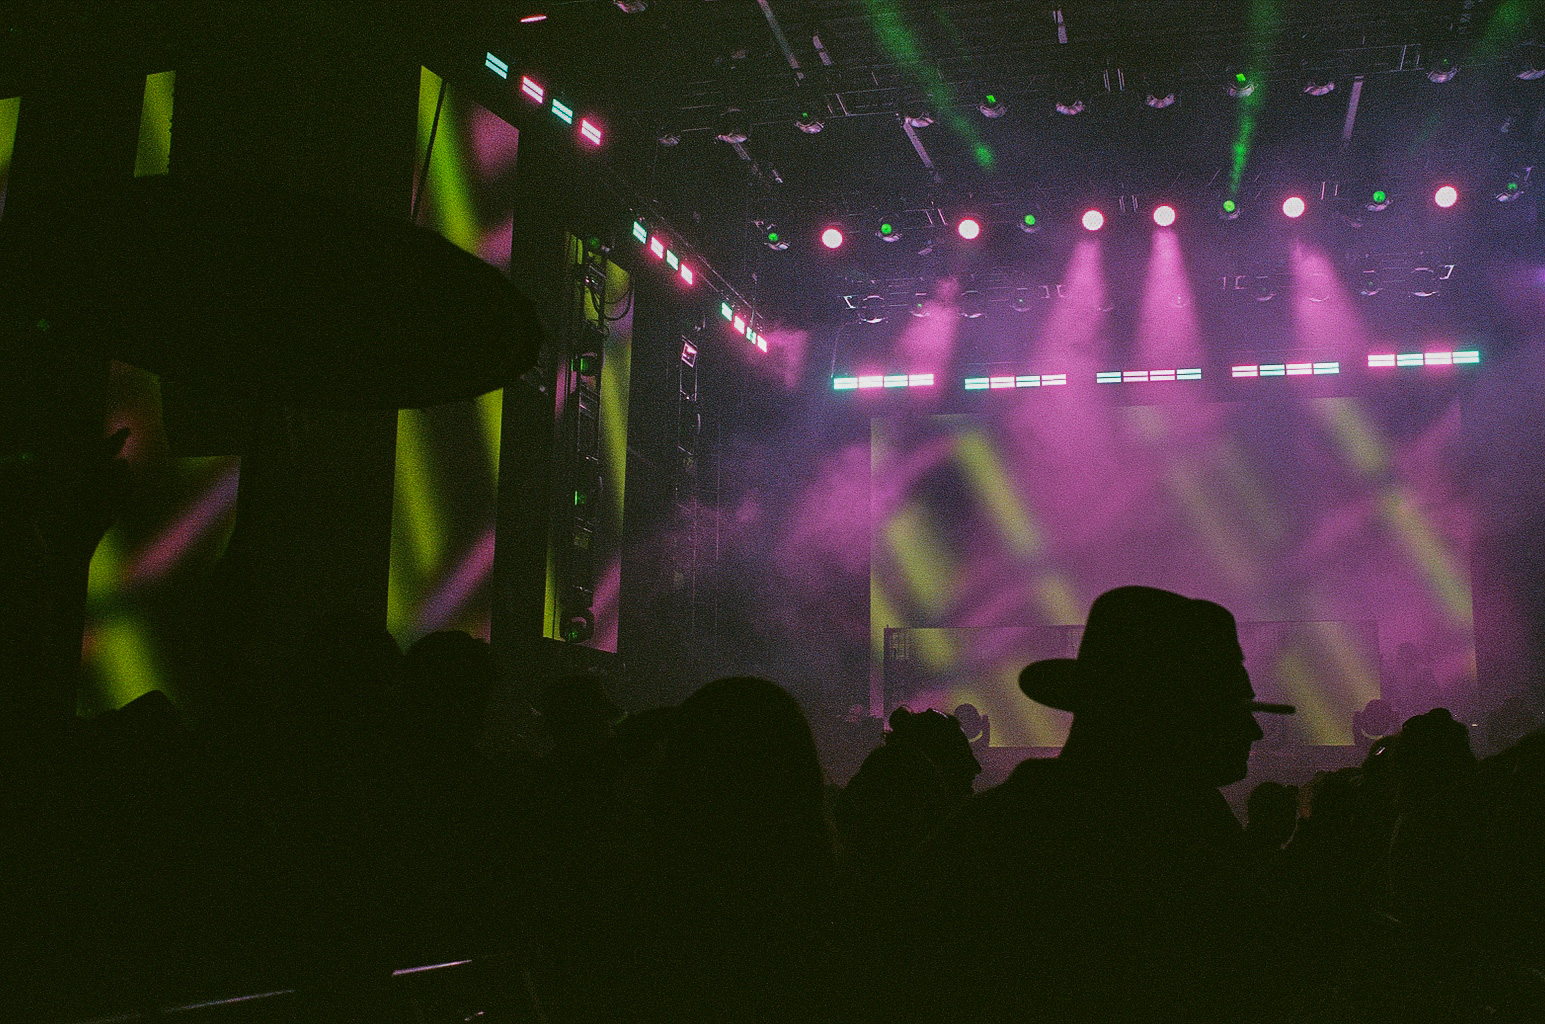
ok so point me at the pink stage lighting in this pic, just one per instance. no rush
(969, 228)
(1294, 206)
(831, 238)
(1446, 196)
(1094, 220)
(1164, 216)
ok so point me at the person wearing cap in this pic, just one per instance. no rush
(1116, 872)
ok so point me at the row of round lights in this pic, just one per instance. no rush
(1164, 216)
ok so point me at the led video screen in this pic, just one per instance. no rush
(1336, 529)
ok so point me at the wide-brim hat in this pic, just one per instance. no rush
(1149, 650)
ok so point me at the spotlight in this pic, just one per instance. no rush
(734, 127)
(992, 106)
(1164, 216)
(1293, 207)
(1093, 220)
(889, 230)
(1528, 62)
(1446, 196)
(968, 228)
(1443, 69)
(1229, 210)
(832, 238)
(918, 117)
(1239, 85)
(1319, 86)
(1069, 105)
(919, 307)
(808, 123)
(1158, 93)
(1028, 224)
(1378, 201)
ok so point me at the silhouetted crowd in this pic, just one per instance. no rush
(690, 863)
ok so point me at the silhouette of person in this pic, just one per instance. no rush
(725, 920)
(1119, 878)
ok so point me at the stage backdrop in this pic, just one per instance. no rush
(1335, 529)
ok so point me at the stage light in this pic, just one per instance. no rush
(1319, 86)
(672, 260)
(872, 309)
(1239, 85)
(1157, 100)
(1293, 207)
(973, 304)
(1093, 220)
(808, 123)
(1443, 69)
(657, 247)
(1164, 216)
(1069, 106)
(1446, 196)
(1229, 210)
(831, 238)
(918, 117)
(532, 19)
(1378, 201)
(497, 66)
(532, 90)
(772, 237)
(889, 230)
(1516, 183)
(726, 311)
(1528, 62)
(688, 275)
(992, 106)
(739, 323)
(590, 131)
(688, 352)
(969, 228)
(563, 112)
(640, 232)
(1028, 224)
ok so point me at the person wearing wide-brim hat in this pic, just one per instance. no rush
(1159, 687)
(1118, 878)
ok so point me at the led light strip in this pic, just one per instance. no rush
(871, 381)
(1469, 356)
(1285, 369)
(1023, 380)
(589, 130)
(1147, 376)
(742, 326)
